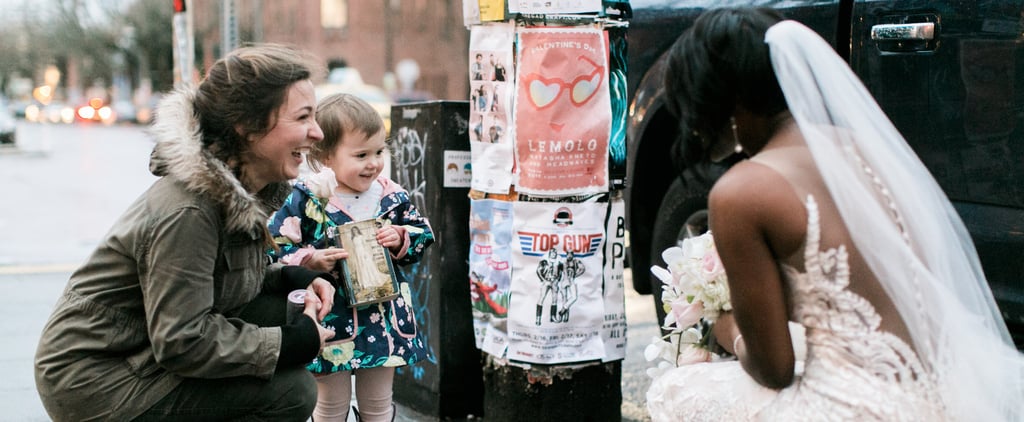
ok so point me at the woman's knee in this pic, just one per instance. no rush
(296, 392)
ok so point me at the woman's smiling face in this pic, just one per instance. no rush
(277, 155)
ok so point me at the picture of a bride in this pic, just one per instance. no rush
(367, 264)
(831, 222)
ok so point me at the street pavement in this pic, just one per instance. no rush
(62, 189)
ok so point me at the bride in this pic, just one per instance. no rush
(835, 224)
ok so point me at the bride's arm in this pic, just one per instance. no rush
(751, 210)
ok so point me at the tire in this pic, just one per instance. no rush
(683, 213)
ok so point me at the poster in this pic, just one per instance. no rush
(492, 10)
(490, 106)
(470, 12)
(563, 111)
(619, 103)
(490, 272)
(557, 306)
(613, 332)
(556, 6)
(457, 169)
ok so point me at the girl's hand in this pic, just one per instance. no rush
(313, 303)
(324, 259)
(324, 292)
(389, 237)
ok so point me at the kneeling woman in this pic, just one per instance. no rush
(177, 313)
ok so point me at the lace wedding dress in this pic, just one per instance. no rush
(853, 371)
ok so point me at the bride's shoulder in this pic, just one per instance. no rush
(755, 192)
(748, 180)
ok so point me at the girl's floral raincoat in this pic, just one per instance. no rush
(382, 334)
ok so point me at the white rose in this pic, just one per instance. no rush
(715, 294)
(693, 247)
(323, 184)
(690, 336)
(662, 274)
(659, 349)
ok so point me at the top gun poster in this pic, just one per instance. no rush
(557, 306)
(563, 111)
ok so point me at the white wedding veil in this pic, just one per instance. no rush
(904, 226)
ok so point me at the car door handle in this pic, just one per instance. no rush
(912, 35)
(924, 31)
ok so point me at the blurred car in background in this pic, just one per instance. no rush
(96, 110)
(137, 111)
(124, 111)
(144, 112)
(53, 112)
(18, 106)
(8, 126)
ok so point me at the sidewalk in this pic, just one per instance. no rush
(27, 295)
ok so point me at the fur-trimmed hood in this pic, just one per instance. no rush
(179, 154)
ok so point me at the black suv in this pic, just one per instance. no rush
(949, 74)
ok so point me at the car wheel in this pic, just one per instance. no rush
(683, 213)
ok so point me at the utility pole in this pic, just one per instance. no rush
(391, 8)
(184, 44)
(229, 27)
(257, 21)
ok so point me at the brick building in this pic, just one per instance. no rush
(371, 36)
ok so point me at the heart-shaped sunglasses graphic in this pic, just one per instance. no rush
(542, 91)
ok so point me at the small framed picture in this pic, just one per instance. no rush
(367, 275)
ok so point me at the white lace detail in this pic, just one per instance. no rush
(853, 371)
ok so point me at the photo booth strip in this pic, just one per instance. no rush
(490, 117)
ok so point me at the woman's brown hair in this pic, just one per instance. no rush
(242, 92)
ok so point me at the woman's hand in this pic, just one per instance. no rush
(389, 237)
(313, 304)
(324, 259)
(323, 291)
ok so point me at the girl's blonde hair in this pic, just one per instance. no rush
(341, 115)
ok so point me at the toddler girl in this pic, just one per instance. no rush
(373, 339)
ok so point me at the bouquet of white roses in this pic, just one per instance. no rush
(695, 292)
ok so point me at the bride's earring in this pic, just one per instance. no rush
(735, 136)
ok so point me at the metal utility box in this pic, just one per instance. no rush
(430, 159)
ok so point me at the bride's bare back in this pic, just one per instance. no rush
(760, 224)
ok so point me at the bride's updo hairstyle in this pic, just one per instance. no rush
(718, 62)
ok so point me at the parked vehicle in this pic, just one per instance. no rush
(8, 126)
(948, 75)
(54, 112)
(96, 110)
